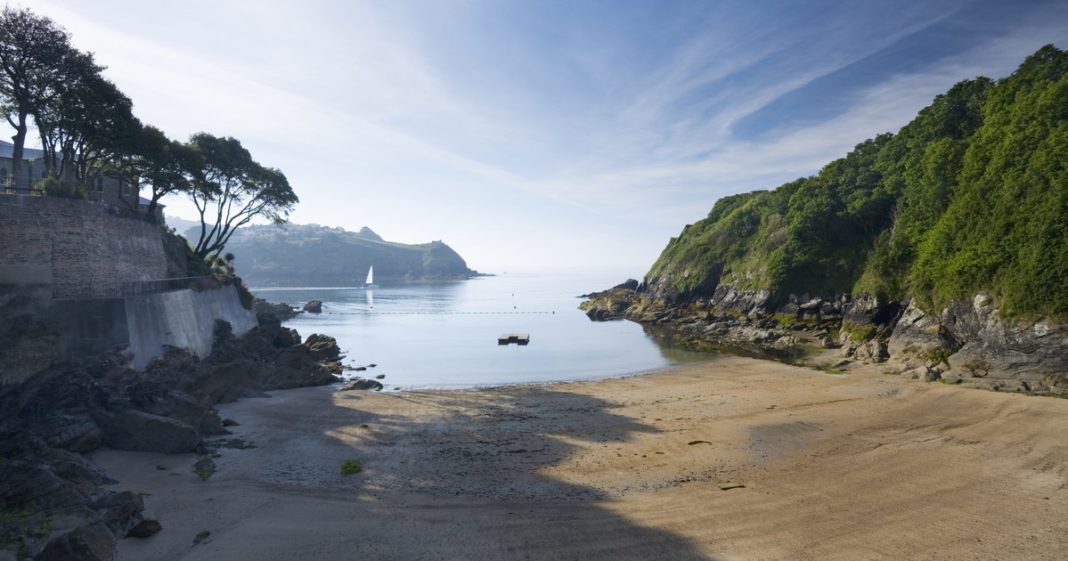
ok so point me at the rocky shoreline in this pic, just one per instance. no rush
(968, 343)
(52, 505)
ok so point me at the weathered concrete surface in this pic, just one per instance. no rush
(184, 319)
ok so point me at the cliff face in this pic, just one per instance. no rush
(944, 246)
(311, 255)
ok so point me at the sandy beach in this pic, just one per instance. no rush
(851, 467)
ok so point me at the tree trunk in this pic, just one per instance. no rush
(19, 141)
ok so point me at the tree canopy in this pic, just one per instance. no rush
(88, 129)
(230, 189)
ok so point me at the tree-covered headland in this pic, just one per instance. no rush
(969, 197)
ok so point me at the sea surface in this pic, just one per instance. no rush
(444, 334)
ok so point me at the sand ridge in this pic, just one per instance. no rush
(850, 467)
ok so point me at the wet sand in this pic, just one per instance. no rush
(835, 467)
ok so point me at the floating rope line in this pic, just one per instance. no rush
(454, 313)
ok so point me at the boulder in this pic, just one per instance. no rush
(314, 307)
(119, 511)
(76, 433)
(145, 529)
(361, 384)
(91, 542)
(144, 432)
(279, 310)
(322, 347)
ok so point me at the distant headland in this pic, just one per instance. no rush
(314, 255)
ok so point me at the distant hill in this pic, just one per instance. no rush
(313, 255)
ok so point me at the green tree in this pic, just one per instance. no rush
(162, 165)
(230, 189)
(32, 51)
(88, 129)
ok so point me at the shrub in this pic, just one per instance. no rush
(351, 466)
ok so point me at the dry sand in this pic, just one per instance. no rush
(853, 467)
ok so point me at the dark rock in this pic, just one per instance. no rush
(119, 511)
(314, 307)
(229, 423)
(144, 432)
(361, 384)
(279, 310)
(322, 347)
(380, 377)
(91, 542)
(145, 529)
(76, 433)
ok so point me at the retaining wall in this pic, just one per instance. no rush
(79, 248)
(183, 319)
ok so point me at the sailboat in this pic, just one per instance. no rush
(370, 283)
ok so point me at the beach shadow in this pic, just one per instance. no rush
(477, 462)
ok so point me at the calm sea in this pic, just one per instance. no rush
(444, 334)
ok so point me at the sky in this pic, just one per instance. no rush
(543, 135)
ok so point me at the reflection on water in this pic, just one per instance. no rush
(444, 334)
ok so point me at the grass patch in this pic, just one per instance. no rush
(201, 536)
(204, 468)
(351, 466)
(858, 333)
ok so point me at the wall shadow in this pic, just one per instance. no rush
(475, 461)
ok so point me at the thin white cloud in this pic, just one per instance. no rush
(348, 99)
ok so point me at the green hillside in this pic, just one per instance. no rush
(312, 255)
(971, 196)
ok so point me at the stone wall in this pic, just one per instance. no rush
(79, 248)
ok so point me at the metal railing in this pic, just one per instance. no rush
(130, 288)
(167, 285)
(8, 188)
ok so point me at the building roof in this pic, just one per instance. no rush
(7, 148)
(141, 201)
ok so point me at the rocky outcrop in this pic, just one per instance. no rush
(314, 306)
(612, 303)
(281, 311)
(51, 503)
(968, 343)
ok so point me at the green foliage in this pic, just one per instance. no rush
(230, 189)
(54, 187)
(859, 333)
(244, 294)
(971, 196)
(351, 466)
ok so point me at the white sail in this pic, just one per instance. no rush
(370, 276)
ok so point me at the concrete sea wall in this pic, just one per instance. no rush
(63, 266)
(183, 319)
(38, 331)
